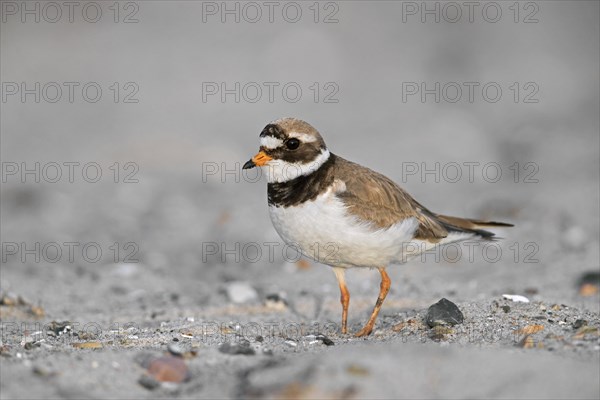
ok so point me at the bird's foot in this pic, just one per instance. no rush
(366, 331)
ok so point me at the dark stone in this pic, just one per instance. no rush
(444, 312)
(148, 382)
(326, 341)
(506, 309)
(579, 323)
(30, 345)
(276, 298)
(237, 348)
(590, 277)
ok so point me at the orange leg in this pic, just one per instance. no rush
(383, 291)
(344, 297)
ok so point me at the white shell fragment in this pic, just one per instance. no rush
(517, 298)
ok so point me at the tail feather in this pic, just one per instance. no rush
(455, 224)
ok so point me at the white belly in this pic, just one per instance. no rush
(323, 231)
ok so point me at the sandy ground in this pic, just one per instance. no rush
(101, 281)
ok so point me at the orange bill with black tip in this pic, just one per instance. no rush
(261, 159)
(257, 161)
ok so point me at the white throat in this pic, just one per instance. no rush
(283, 171)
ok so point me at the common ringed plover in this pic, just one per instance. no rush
(345, 215)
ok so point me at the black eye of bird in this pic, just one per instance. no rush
(292, 144)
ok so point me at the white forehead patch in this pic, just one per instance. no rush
(304, 137)
(270, 142)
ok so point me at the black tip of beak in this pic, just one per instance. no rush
(249, 164)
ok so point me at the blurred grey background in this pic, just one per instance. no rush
(364, 55)
(176, 134)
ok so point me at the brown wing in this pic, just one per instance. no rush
(374, 198)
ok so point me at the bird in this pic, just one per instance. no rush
(345, 215)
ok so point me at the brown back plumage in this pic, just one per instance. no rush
(374, 198)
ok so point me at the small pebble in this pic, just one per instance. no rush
(43, 371)
(88, 345)
(326, 341)
(168, 369)
(276, 300)
(241, 292)
(148, 382)
(186, 333)
(6, 300)
(439, 333)
(444, 312)
(175, 349)
(579, 323)
(585, 330)
(291, 343)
